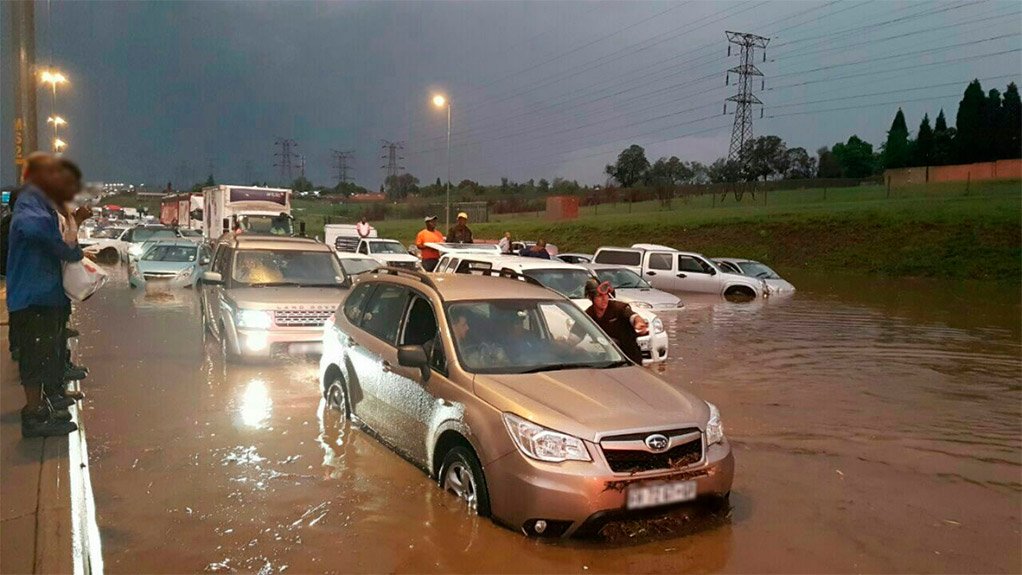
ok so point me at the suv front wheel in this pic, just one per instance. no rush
(462, 475)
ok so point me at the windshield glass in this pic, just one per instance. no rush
(170, 253)
(353, 267)
(108, 233)
(387, 248)
(286, 267)
(569, 283)
(512, 336)
(622, 278)
(190, 233)
(273, 225)
(758, 270)
(143, 234)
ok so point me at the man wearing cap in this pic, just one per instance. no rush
(429, 235)
(616, 319)
(460, 232)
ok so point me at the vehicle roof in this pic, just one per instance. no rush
(651, 247)
(518, 263)
(608, 267)
(466, 287)
(257, 242)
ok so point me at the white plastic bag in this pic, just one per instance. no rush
(82, 279)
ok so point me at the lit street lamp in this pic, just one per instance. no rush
(52, 77)
(59, 145)
(56, 121)
(440, 102)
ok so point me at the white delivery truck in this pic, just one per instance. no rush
(344, 237)
(249, 209)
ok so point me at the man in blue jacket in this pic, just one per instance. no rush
(35, 293)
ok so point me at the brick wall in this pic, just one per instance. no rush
(999, 170)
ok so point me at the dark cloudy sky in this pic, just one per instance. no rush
(162, 90)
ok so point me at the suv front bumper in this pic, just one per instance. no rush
(654, 348)
(268, 342)
(577, 496)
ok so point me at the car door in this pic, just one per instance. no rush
(409, 403)
(213, 293)
(659, 271)
(697, 274)
(372, 352)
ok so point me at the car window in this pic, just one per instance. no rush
(452, 265)
(170, 253)
(619, 257)
(421, 329)
(362, 249)
(354, 305)
(291, 267)
(692, 265)
(383, 312)
(659, 261)
(729, 267)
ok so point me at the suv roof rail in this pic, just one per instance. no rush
(412, 274)
(514, 275)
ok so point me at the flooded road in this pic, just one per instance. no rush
(877, 427)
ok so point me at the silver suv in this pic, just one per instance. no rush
(266, 295)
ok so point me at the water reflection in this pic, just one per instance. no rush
(256, 405)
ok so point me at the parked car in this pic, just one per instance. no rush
(387, 252)
(754, 269)
(566, 279)
(268, 294)
(110, 248)
(630, 287)
(669, 269)
(467, 379)
(573, 258)
(171, 263)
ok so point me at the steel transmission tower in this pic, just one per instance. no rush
(392, 158)
(342, 159)
(284, 157)
(744, 99)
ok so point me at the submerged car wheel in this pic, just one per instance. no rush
(336, 396)
(739, 293)
(462, 475)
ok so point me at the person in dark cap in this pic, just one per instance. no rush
(616, 319)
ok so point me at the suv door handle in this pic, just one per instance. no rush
(651, 273)
(682, 276)
(386, 367)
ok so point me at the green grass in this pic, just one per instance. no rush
(938, 231)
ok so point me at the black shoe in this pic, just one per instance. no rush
(60, 415)
(71, 332)
(48, 427)
(75, 373)
(60, 401)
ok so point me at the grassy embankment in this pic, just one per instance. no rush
(931, 231)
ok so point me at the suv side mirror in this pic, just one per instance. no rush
(212, 278)
(711, 271)
(204, 261)
(414, 356)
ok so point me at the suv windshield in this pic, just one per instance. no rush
(353, 267)
(387, 248)
(512, 336)
(758, 270)
(569, 283)
(286, 267)
(142, 234)
(165, 253)
(622, 278)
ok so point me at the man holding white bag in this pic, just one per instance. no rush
(35, 293)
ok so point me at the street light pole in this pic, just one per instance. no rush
(448, 210)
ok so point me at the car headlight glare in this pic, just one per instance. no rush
(714, 427)
(658, 325)
(254, 318)
(544, 444)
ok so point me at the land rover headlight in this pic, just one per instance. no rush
(657, 325)
(714, 428)
(544, 444)
(254, 318)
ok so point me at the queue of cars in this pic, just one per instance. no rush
(487, 374)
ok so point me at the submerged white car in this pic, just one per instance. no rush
(775, 283)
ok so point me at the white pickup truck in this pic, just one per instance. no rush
(345, 239)
(669, 269)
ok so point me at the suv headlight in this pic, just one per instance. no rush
(185, 273)
(657, 325)
(254, 318)
(714, 428)
(544, 444)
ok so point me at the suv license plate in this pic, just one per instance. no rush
(305, 348)
(642, 496)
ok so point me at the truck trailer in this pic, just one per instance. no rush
(246, 209)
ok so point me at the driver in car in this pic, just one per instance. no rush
(475, 352)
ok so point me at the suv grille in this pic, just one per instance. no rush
(405, 265)
(301, 317)
(639, 460)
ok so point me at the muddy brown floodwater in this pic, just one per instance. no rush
(877, 428)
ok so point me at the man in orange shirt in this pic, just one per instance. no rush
(429, 235)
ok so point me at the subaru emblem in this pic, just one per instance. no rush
(657, 442)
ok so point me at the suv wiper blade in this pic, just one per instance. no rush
(561, 366)
(274, 284)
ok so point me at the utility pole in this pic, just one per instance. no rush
(283, 162)
(392, 158)
(301, 165)
(25, 122)
(744, 99)
(342, 159)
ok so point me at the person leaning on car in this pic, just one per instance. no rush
(615, 318)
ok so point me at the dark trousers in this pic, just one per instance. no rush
(38, 332)
(429, 265)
